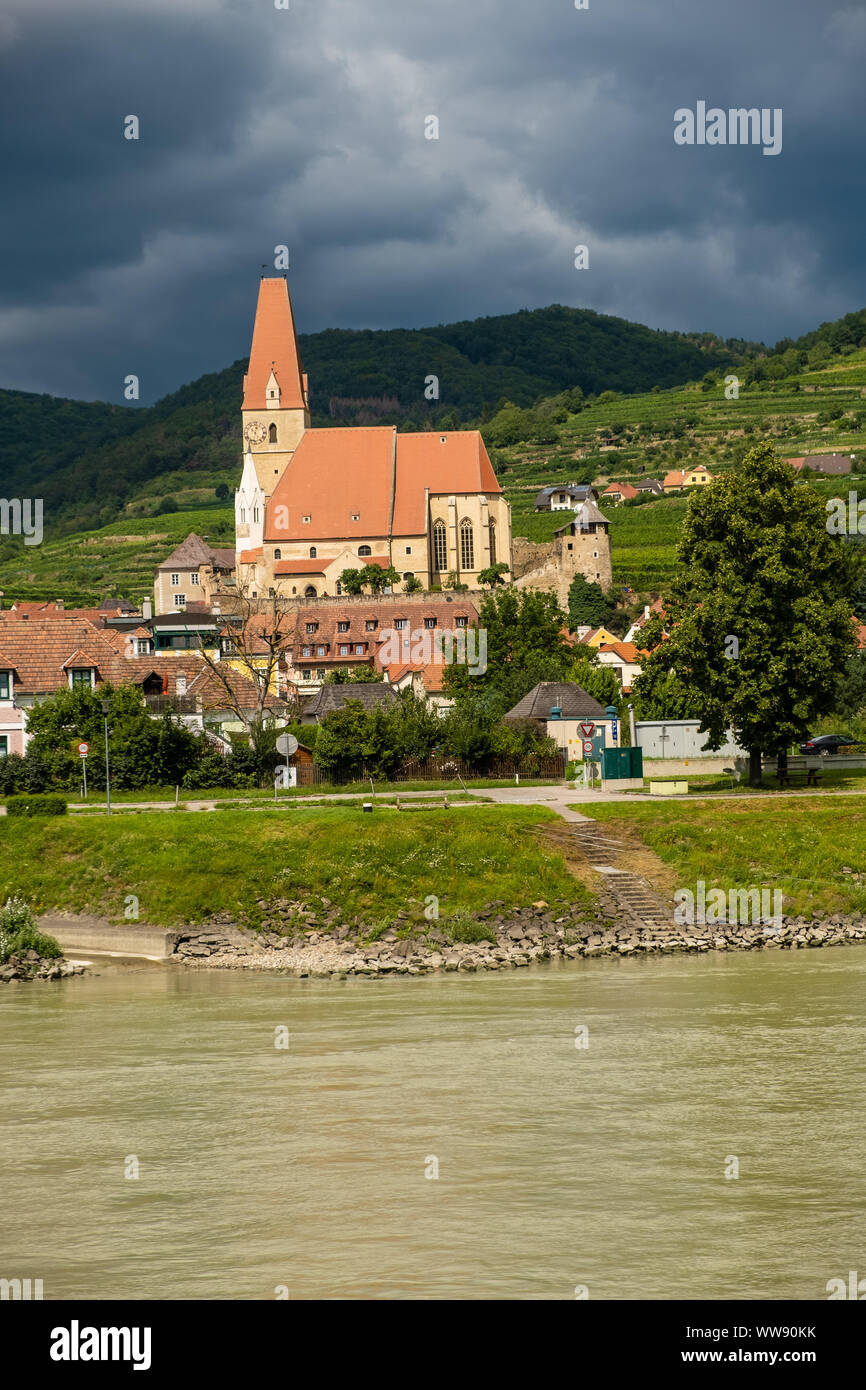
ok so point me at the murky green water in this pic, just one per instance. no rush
(557, 1166)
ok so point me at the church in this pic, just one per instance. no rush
(314, 502)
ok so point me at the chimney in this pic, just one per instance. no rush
(555, 712)
(146, 610)
(180, 683)
(58, 603)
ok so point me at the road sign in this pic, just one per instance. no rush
(587, 730)
(287, 744)
(614, 730)
(83, 750)
(587, 745)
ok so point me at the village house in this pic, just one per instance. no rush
(649, 485)
(831, 464)
(343, 634)
(619, 492)
(622, 657)
(678, 478)
(559, 708)
(564, 497)
(41, 656)
(191, 575)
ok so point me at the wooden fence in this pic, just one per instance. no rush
(439, 770)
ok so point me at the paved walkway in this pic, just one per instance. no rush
(557, 798)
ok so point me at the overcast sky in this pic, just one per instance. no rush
(306, 127)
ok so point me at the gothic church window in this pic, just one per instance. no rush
(467, 545)
(440, 546)
(493, 542)
(272, 434)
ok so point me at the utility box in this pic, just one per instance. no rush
(621, 763)
(623, 767)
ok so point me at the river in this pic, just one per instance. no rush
(303, 1168)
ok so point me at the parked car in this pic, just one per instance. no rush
(828, 743)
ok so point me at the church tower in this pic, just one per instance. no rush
(276, 404)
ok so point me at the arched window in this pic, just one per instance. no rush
(272, 434)
(278, 555)
(467, 545)
(272, 592)
(312, 552)
(407, 575)
(364, 550)
(339, 587)
(440, 546)
(310, 591)
(492, 541)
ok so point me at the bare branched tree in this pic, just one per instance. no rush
(254, 642)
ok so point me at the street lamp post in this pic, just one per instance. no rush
(106, 706)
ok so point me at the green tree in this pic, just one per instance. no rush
(494, 574)
(358, 675)
(351, 581)
(759, 618)
(587, 604)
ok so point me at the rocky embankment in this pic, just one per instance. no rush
(29, 965)
(307, 940)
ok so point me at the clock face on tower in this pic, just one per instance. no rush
(255, 432)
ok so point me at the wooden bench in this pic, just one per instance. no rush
(811, 774)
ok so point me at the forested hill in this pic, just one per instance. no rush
(86, 460)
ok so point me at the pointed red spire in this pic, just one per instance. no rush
(275, 348)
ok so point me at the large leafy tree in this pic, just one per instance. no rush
(588, 605)
(758, 619)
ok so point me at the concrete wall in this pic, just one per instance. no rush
(83, 934)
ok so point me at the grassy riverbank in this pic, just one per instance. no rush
(810, 848)
(185, 868)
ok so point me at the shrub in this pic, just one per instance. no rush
(462, 926)
(38, 804)
(19, 932)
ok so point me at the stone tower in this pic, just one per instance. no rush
(581, 546)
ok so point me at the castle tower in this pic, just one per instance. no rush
(276, 404)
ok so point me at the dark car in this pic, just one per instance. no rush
(828, 743)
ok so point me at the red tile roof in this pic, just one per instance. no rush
(623, 489)
(371, 472)
(43, 649)
(274, 348)
(299, 566)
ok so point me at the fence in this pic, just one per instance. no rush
(437, 770)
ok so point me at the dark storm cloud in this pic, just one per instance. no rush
(306, 127)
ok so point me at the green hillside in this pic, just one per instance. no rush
(106, 523)
(87, 461)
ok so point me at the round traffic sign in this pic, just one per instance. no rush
(287, 744)
(587, 745)
(83, 749)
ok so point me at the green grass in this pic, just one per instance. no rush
(185, 868)
(96, 800)
(797, 845)
(846, 779)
